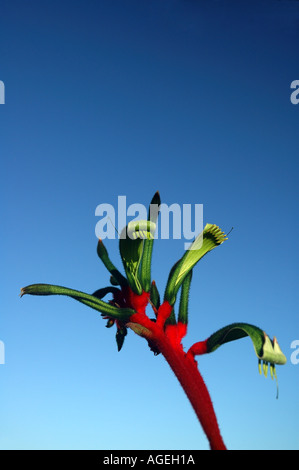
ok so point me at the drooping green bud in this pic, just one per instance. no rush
(267, 351)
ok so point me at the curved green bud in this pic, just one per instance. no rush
(87, 299)
(265, 349)
(131, 242)
(142, 229)
(206, 241)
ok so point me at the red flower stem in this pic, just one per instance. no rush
(183, 365)
(186, 370)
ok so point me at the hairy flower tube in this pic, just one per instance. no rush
(134, 290)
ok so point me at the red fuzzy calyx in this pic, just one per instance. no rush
(127, 298)
(164, 312)
(197, 349)
(175, 333)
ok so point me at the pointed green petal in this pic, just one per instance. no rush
(87, 299)
(154, 295)
(145, 267)
(120, 337)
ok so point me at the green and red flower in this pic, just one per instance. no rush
(134, 291)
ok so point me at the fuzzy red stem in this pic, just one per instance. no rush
(184, 367)
(186, 371)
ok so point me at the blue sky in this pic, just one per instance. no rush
(109, 98)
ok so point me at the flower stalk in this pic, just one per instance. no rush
(167, 340)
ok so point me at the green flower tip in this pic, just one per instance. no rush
(271, 355)
(143, 229)
(214, 232)
(28, 290)
(271, 352)
(22, 292)
(267, 350)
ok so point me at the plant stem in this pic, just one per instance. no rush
(184, 367)
(186, 370)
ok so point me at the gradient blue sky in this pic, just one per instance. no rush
(108, 98)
